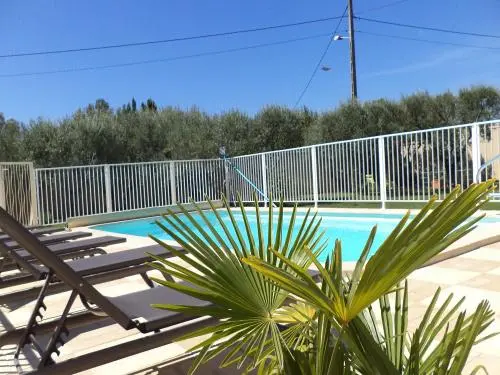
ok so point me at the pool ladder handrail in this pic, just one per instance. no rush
(482, 168)
(245, 178)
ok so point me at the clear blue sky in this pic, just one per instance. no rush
(248, 79)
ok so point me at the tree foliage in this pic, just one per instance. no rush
(145, 132)
(10, 140)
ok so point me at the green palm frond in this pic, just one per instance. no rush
(275, 318)
(250, 306)
(391, 331)
(409, 246)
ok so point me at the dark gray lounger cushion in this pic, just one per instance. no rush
(138, 307)
(61, 237)
(71, 247)
(37, 232)
(114, 261)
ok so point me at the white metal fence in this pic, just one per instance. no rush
(17, 191)
(408, 166)
(348, 171)
(253, 168)
(90, 190)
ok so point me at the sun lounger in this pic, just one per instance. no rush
(7, 244)
(98, 269)
(29, 227)
(55, 238)
(76, 248)
(37, 231)
(130, 311)
(22, 259)
(102, 269)
(110, 262)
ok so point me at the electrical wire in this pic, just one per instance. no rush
(383, 6)
(316, 68)
(427, 28)
(427, 40)
(171, 40)
(168, 59)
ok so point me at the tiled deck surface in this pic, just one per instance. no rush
(475, 275)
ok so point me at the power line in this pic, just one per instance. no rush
(163, 41)
(428, 40)
(383, 6)
(316, 68)
(175, 58)
(428, 28)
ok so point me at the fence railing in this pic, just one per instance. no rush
(17, 191)
(409, 166)
(348, 170)
(91, 190)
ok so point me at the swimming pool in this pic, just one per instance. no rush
(351, 228)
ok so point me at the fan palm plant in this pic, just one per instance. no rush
(276, 318)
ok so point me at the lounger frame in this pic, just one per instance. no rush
(80, 287)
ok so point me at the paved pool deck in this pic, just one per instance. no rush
(474, 274)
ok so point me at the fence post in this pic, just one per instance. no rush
(34, 195)
(107, 184)
(314, 175)
(264, 177)
(3, 203)
(476, 152)
(381, 171)
(173, 188)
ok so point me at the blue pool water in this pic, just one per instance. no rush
(351, 228)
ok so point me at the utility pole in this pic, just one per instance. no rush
(354, 83)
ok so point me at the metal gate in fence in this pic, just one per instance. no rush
(18, 191)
